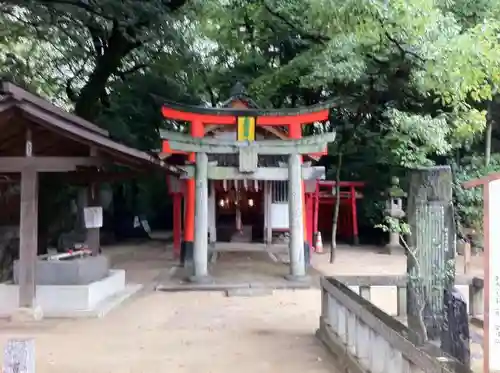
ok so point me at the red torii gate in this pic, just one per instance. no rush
(199, 118)
(347, 224)
(491, 218)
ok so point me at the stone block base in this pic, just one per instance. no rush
(81, 271)
(66, 300)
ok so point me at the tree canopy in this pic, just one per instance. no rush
(414, 82)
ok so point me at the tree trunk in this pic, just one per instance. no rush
(90, 98)
(336, 207)
(487, 141)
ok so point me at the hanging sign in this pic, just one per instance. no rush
(93, 217)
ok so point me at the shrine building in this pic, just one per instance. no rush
(249, 178)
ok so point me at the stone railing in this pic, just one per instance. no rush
(365, 339)
(388, 292)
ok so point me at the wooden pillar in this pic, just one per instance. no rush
(197, 130)
(28, 231)
(264, 206)
(268, 200)
(316, 208)
(28, 238)
(237, 202)
(309, 219)
(93, 239)
(296, 218)
(177, 217)
(212, 206)
(354, 216)
(200, 253)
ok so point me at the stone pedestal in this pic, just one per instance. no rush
(394, 209)
(394, 243)
(81, 271)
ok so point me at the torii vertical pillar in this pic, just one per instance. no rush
(200, 254)
(197, 130)
(491, 217)
(296, 218)
(248, 163)
(295, 133)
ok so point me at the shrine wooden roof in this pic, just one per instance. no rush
(58, 133)
(249, 111)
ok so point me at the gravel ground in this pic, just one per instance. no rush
(182, 332)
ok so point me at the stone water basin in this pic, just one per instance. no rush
(71, 271)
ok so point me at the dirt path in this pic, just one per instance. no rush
(183, 332)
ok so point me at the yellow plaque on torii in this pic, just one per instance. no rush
(246, 129)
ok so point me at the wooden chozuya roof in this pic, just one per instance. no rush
(57, 133)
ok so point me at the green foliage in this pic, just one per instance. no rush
(469, 202)
(394, 225)
(104, 60)
(410, 70)
(410, 79)
(83, 46)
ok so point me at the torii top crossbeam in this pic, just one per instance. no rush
(263, 117)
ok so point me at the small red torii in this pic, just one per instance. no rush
(324, 195)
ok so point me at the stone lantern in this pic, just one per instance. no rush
(394, 209)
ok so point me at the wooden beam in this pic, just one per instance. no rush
(99, 176)
(28, 241)
(272, 130)
(47, 164)
(21, 95)
(262, 173)
(481, 181)
(4, 106)
(121, 153)
(181, 137)
(271, 147)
